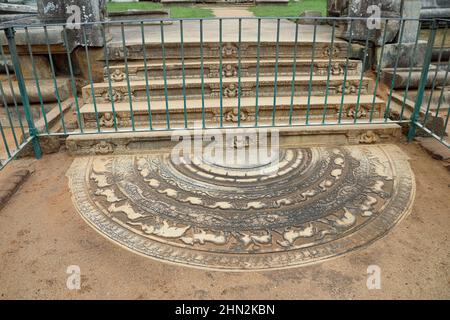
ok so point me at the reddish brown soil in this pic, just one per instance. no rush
(41, 234)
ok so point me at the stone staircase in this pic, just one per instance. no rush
(248, 86)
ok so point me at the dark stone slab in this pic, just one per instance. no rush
(16, 8)
(58, 11)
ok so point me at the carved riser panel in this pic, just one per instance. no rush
(229, 50)
(229, 116)
(212, 90)
(231, 69)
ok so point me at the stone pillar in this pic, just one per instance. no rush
(61, 11)
(403, 49)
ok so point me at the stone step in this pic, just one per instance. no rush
(213, 49)
(174, 88)
(230, 111)
(136, 69)
(151, 141)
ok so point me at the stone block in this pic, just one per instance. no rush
(360, 30)
(402, 75)
(16, 8)
(139, 15)
(436, 149)
(59, 11)
(305, 15)
(403, 52)
(41, 65)
(411, 10)
(47, 91)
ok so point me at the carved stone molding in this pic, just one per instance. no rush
(303, 206)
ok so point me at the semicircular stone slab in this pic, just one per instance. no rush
(310, 205)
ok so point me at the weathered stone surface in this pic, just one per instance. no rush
(211, 50)
(359, 8)
(411, 10)
(402, 75)
(16, 8)
(245, 217)
(47, 91)
(59, 11)
(433, 9)
(436, 149)
(140, 15)
(157, 141)
(230, 68)
(96, 60)
(404, 53)
(230, 87)
(305, 15)
(41, 65)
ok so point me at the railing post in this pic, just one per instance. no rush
(9, 33)
(422, 83)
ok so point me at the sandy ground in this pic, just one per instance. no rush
(41, 234)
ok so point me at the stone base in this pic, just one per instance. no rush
(141, 15)
(295, 207)
(137, 142)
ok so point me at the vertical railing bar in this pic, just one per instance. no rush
(239, 71)
(147, 87)
(412, 60)
(327, 88)
(183, 71)
(349, 49)
(363, 67)
(220, 73)
(441, 96)
(125, 58)
(38, 87)
(108, 72)
(294, 72)
(94, 100)
(72, 80)
(55, 83)
(394, 75)
(33, 133)
(202, 71)
(378, 75)
(311, 71)
(13, 93)
(258, 51)
(275, 84)
(5, 105)
(422, 82)
(433, 85)
(166, 95)
(5, 142)
(445, 124)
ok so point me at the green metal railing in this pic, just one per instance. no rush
(283, 74)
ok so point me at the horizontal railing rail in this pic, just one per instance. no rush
(153, 75)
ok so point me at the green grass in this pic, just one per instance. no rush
(190, 12)
(175, 11)
(292, 9)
